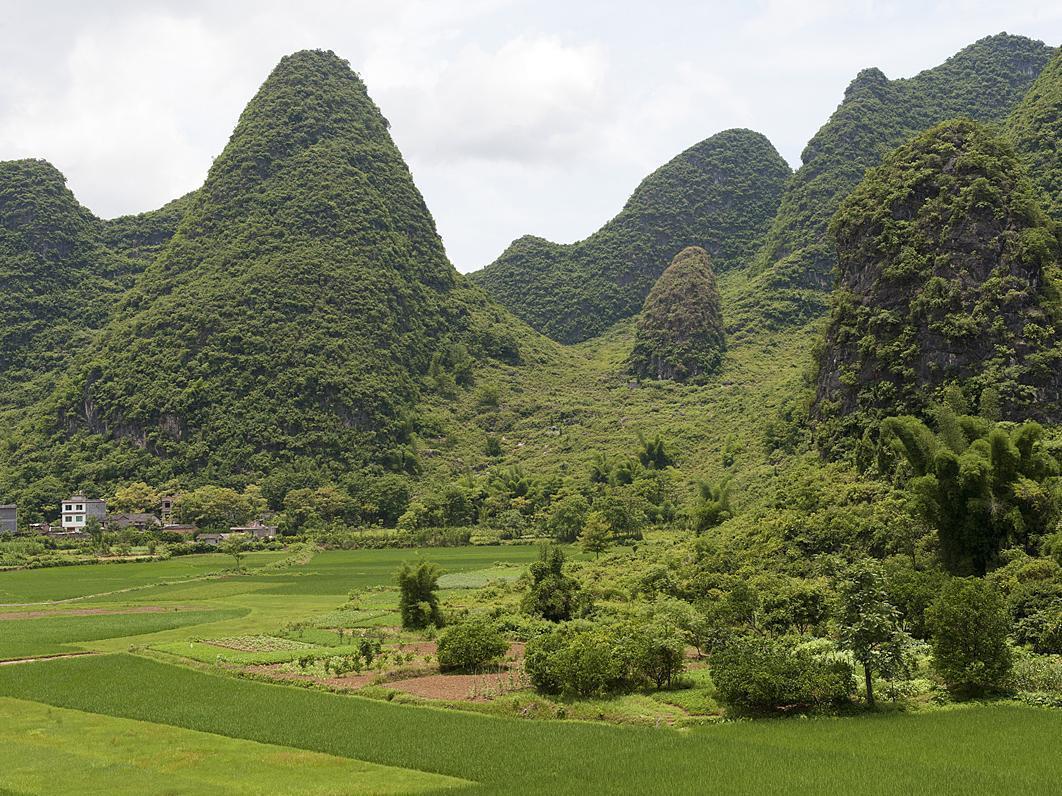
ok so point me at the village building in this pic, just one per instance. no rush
(139, 521)
(41, 528)
(166, 505)
(77, 509)
(184, 530)
(257, 529)
(212, 539)
(9, 518)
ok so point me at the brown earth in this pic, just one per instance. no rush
(141, 609)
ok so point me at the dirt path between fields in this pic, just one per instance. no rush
(140, 609)
(47, 657)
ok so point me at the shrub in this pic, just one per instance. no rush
(575, 660)
(470, 646)
(970, 623)
(764, 675)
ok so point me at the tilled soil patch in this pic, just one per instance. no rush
(140, 609)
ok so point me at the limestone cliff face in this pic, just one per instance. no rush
(944, 257)
(680, 331)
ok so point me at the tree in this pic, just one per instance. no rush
(214, 507)
(711, 507)
(552, 594)
(235, 546)
(134, 497)
(94, 528)
(969, 624)
(869, 625)
(981, 486)
(660, 651)
(761, 674)
(470, 646)
(654, 453)
(567, 516)
(418, 602)
(595, 533)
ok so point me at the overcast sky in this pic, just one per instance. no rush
(515, 117)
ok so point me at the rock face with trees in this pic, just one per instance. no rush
(680, 332)
(793, 270)
(945, 261)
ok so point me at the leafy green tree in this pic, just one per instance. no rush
(134, 497)
(94, 528)
(660, 650)
(601, 468)
(970, 626)
(869, 625)
(552, 594)
(470, 646)
(762, 674)
(626, 511)
(654, 453)
(214, 508)
(235, 546)
(711, 506)
(418, 602)
(595, 533)
(980, 486)
(567, 516)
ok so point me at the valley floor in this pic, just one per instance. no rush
(160, 706)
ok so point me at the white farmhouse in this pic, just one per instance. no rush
(78, 508)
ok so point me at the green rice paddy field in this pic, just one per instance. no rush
(130, 720)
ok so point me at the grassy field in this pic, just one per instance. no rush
(129, 723)
(997, 749)
(21, 638)
(65, 583)
(53, 750)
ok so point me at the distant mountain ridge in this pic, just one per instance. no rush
(794, 267)
(719, 194)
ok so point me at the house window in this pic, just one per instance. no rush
(68, 507)
(68, 519)
(81, 518)
(80, 507)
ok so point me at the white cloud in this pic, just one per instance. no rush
(515, 116)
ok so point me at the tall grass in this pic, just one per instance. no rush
(996, 749)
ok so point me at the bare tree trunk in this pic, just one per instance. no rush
(870, 686)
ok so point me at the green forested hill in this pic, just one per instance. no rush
(291, 314)
(1035, 127)
(143, 235)
(944, 251)
(59, 281)
(795, 266)
(719, 194)
(680, 329)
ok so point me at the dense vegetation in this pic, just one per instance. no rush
(1035, 128)
(944, 256)
(143, 236)
(984, 82)
(720, 195)
(680, 330)
(60, 282)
